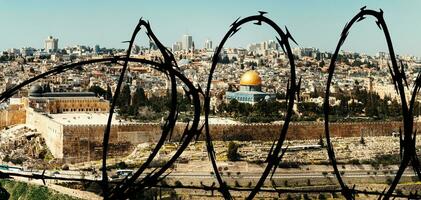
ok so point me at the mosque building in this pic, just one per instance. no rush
(42, 99)
(250, 89)
(73, 124)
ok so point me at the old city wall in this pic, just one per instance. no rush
(84, 142)
(50, 130)
(296, 131)
(14, 114)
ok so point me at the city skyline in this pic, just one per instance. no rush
(109, 24)
(259, 117)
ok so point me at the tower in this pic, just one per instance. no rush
(187, 42)
(208, 45)
(192, 50)
(51, 44)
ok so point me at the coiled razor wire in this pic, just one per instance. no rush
(168, 65)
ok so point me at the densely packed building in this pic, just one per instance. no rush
(62, 109)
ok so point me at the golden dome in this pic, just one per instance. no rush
(250, 78)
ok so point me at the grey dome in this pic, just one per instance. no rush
(36, 91)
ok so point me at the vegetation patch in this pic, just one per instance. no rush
(24, 191)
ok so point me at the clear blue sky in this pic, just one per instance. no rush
(312, 23)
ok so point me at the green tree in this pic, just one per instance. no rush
(322, 63)
(3, 193)
(109, 94)
(121, 165)
(183, 102)
(232, 153)
(125, 97)
(97, 90)
(280, 95)
(233, 105)
(362, 141)
(322, 196)
(139, 98)
(225, 60)
(321, 142)
(343, 106)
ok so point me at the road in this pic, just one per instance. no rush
(179, 175)
(242, 175)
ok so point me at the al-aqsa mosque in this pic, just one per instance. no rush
(250, 89)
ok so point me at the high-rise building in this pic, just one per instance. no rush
(187, 42)
(264, 45)
(273, 45)
(208, 44)
(177, 46)
(27, 51)
(97, 49)
(51, 44)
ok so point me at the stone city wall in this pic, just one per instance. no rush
(296, 131)
(84, 143)
(50, 130)
(14, 114)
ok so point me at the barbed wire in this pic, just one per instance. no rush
(124, 188)
(407, 138)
